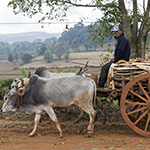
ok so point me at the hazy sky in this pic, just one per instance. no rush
(7, 16)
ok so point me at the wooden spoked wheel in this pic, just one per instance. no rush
(135, 104)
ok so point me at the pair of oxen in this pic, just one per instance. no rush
(45, 91)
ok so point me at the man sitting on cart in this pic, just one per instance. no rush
(122, 52)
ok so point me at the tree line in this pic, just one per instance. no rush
(70, 41)
(134, 15)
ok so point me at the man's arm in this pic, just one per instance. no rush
(120, 49)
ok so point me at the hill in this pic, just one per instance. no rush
(27, 36)
(75, 61)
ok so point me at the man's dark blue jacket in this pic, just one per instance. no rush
(122, 50)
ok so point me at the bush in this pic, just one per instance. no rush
(24, 73)
(5, 84)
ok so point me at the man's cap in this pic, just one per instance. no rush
(117, 27)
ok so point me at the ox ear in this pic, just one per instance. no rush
(16, 80)
(29, 74)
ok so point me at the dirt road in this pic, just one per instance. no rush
(116, 136)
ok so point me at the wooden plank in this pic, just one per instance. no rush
(132, 64)
(103, 90)
(126, 68)
(144, 67)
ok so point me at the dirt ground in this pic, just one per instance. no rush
(114, 135)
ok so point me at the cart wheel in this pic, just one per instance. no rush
(135, 104)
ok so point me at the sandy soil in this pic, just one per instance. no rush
(112, 135)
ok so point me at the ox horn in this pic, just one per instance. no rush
(29, 74)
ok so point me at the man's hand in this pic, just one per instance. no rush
(112, 60)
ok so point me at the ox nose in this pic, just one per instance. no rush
(1, 110)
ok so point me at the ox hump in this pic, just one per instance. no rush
(33, 79)
(40, 71)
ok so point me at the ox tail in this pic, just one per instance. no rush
(94, 93)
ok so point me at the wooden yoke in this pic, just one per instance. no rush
(79, 70)
(85, 69)
(82, 70)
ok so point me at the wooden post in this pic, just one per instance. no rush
(123, 84)
(112, 75)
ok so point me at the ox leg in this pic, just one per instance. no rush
(36, 119)
(100, 107)
(79, 118)
(90, 127)
(92, 113)
(52, 115)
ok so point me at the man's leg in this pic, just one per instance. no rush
(103, 74)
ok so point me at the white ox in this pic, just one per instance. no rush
(44, 94)
(43, 72)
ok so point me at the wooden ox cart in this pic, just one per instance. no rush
(130, 84)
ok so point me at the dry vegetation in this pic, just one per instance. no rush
(76, 59)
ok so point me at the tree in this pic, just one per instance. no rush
(43, 48)
(27, 58)
(66, 55)
(37, 51)
(48, 56)
(4, 48)
(94, 45)
(8, 49)
(79, 31)
(21, 53)
(59, 51)
(10, 57)
(87, 46)
(136, 20)
(16, 56)
(136, 24)
(75, 44)
(23, 46)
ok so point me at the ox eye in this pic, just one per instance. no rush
(5, 98)
(12, 86)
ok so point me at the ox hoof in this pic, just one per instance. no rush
(74, 122)
(88, 136)
(59, 137)
(30, 135)
(104, 122)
